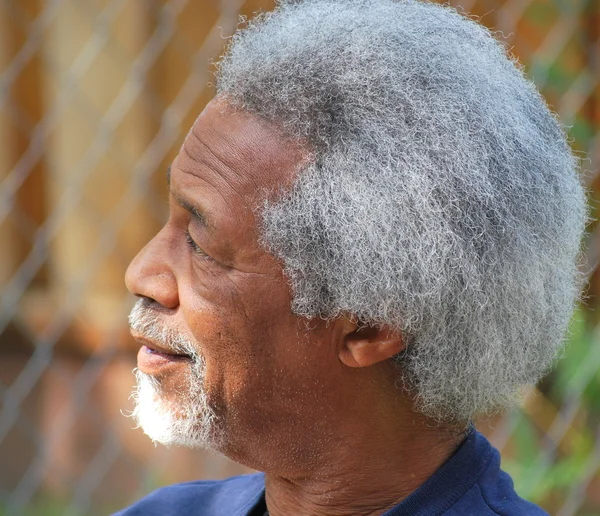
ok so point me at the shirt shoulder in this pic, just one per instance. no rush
(494, 494)
(469, 483)
(474, 503)
(233, 496)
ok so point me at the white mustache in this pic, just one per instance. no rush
(147, 322)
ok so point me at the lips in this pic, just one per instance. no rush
(152, 358)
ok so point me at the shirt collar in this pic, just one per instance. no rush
(451, 481)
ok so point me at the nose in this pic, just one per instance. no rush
(150, 273)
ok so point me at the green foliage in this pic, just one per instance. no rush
(544, 470)
(39, 508)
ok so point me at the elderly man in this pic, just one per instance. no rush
(372, 240)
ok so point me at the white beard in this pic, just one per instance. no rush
(188, 420)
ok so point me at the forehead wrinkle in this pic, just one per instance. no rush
(215, 180)
(258, 152)
(230, 170)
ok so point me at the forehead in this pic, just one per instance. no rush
(235, 150)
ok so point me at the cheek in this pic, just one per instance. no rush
(238, 329)
(248, 336)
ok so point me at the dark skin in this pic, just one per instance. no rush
(312, 404)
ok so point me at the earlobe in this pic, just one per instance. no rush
(369, 345)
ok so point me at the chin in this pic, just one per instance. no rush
(188, 422)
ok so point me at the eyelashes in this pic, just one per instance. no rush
(193, 245)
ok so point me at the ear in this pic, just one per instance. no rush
(364, 346)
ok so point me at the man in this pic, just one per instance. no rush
(372, 240)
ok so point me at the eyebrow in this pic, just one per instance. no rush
(185, 204)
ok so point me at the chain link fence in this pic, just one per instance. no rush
(95, 99)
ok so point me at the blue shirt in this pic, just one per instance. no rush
(470, 483)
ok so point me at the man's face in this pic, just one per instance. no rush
(246, 366)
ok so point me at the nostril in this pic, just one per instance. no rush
(149, 303)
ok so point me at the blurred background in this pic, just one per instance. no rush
(95, 99)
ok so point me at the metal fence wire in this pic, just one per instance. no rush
(95, 98)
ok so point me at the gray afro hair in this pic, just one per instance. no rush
(441, 198)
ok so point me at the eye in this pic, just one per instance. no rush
(193, 245)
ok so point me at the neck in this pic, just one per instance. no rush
(360, 484)
(372, 465)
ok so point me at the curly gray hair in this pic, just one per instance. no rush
(442, 198)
